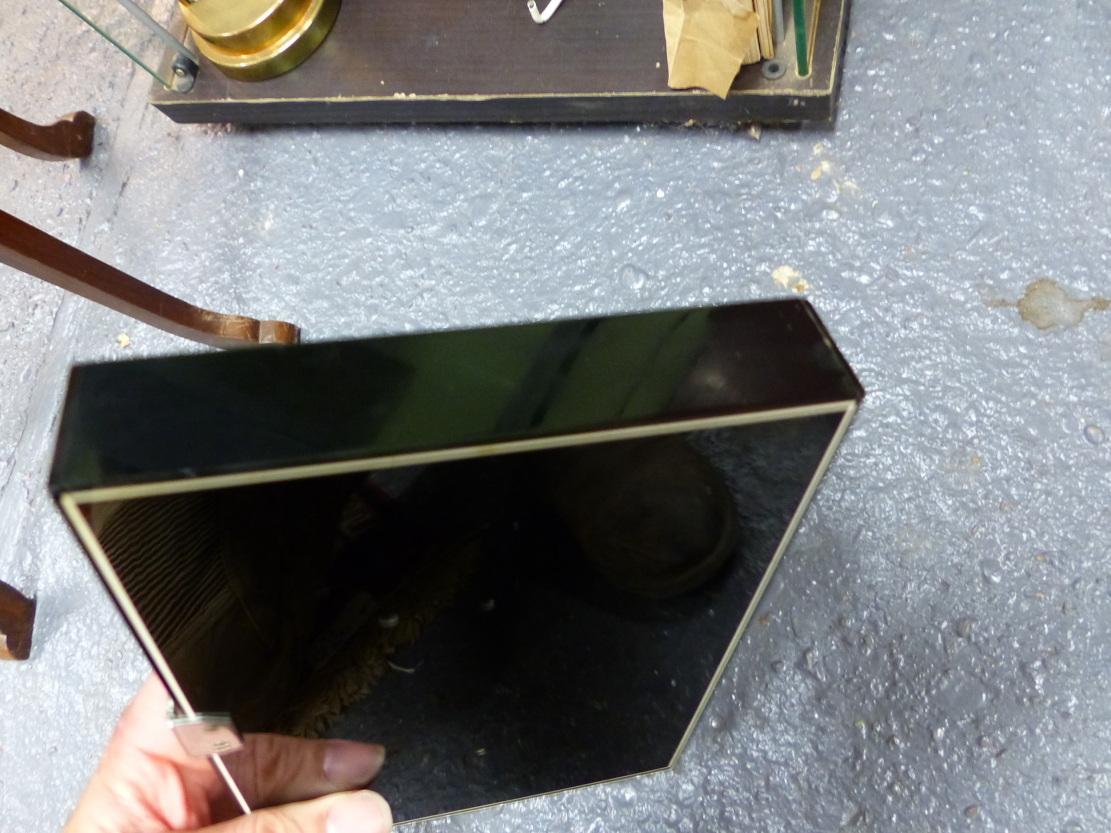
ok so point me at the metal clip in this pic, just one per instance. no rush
(204, 735)
(543, 16)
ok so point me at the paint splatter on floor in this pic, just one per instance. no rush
(1046, 305)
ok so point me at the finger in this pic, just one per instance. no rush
(142, 738)
(274, 769)
(143, 722)
(144, 726)
(358, 812)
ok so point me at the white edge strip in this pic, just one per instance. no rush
(224, 481)
(784, 542)
(219, 765)
(115, 586)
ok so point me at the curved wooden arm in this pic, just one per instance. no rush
(71, 137)
(17, 620)
(24, 247)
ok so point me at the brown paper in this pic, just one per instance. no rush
(707, 40)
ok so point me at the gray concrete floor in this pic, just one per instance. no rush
(934, 652)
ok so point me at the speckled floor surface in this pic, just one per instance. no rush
(934, 652)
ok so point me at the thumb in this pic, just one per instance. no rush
(353, 812)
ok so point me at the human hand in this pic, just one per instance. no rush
(145, 783)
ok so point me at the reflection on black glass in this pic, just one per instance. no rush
(505, 626)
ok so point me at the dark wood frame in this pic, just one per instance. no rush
(24, 247)
(17, 621)
(71, 137)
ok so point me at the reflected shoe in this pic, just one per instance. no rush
(651, 515)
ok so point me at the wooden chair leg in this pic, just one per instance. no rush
(35, 252)
(71, 137)
(17, 620)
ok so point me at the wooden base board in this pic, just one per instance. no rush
(468, 61)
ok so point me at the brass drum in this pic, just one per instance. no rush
(253, 40)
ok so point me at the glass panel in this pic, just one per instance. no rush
(507, 626)
(245, 410)
(132, 28)
(804, 19)
(777, 20)
(802, 56)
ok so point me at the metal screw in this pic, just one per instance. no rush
(774, 69)
(185, 74)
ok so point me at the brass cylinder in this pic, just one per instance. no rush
(252, 40)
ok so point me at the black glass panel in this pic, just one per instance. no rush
(506, 626)
(154, 420)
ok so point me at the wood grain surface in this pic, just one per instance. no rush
(486, 61)
(35, 252)
(71, 137)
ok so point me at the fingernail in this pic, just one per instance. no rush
(361, 812)
(348, 764)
